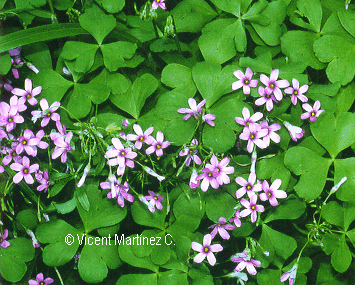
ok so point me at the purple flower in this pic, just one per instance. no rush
(157, 145)
(154, 201)
(222, 169)
(266, 97)
(248, 186)
(208, 119)
(246, 120)
(27, 142)
(28, 93)
(118, 190)
(141, 137)
(272, 192)
(24, 170)
(221, 228)
(245, 260)
(40, 280)
(206, 250)
(253, 135)
(15, 60)
(194, 110)
(273, 85)
(236, 219)
(158, 3)
(209, 177)
(245, 81)
(297, 92)
(295, 132)
(271, 132)
(3, 242)
(311, 113)
(290, 274)
(12, 154)
(119, 155)
(62, 147)
(9, 116)
(251, 208)
(6, 84)
(62, 131)
(47, 112)
(18, 102)
(44, 181)
(125, 123)
(191, 153)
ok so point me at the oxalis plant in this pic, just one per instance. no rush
(177, 142)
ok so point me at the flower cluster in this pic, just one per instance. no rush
(196, 111)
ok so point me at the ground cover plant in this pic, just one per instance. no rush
(177, 142)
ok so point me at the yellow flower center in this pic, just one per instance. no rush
(123, 153)
(206, 249)
(295, 92)
(246, 81)
(24, 142)
(253, 207)
(141, 139)
(209, 174)
(28, 96)
(252, 136)
(269, 194)
(313, 114)
(158, 146)
(26, 171)
(272, 85)
(10, 120)
(249, 187)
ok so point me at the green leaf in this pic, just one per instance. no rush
(270, 34)
(333, 213)
(27, 218)
(347, 20)
(39, 55)
(349, 214)
(143, 216)
(345, 98)
(341, 257)
(62, 4)
(290, 209)
(146, 279)
(335, 134)
(142, 30)
(230, 6)
(330, 242)
(95, 258)
(172, 277)
(191, 15)
(13, 258)
(112, 6)
(115, 54)
(168, 105)
(262, 63)
(179, 131)
(298, 46)
(219, 204)
(220, 138)
(5, 63)
(161, 253)
(66, 207)
(97, 23)
(133, 100)
(79, 104)
(312, 10)
(269, 276)
(184, 225)
(58, 186)
(345, 168)
(39, 34)
(211, 81)
(57, 232)
(179, 77)
(191, 205)
(103, 212)
(339, 53)
(312, 168)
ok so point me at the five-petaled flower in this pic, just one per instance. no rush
(253, 135)
(191, 153)
(206, 250)
(40, 280)
(24, 170)
(222, 169)
(62, 147)
(247, 119)
(271, 132)
(9, 116)
(158, 3)
(3, 242)
(28, 93)
(47, 112)
(209, 177)
(295, 132)
(273, 85)
(296, 92)
(141, 137)
(251, 208)
(248, 186)
(221, 228)
(236, 219)
(272, 192)
(154, 201)
(245, 260)
(118, 190)
(44, 180)
(266, 97)
(244, 81)
(311, 113)
(195, 110)
(157, 145)
(290, 274)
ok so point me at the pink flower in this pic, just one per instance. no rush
(208, 119)
(248, 186)
(47, 112)
(272, 192)
(266, 97)
(236, 219)
(251, 208)
(12, 154)
(297, 92)
(193, 179)
(18, 102)
(206, 250)
(245, 81)
(221, 228)
(141, 137)
(271, 132)
(191, 153)
(158, 3)
(295, 132)
(194, 110)
(245, 260)
(273, 85)
(28, 93)
(154, 200)
(246, 120)
(157, 145)
(62, 147)
(209, 177)
(44, 181)
(311, 113)
(24, 170)
(9, 116)
(290, 274)
(222, 169)
(40, 280)
(119, 155)
(3, 242)
(27, 142)
(253, 135)
(118, 190)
